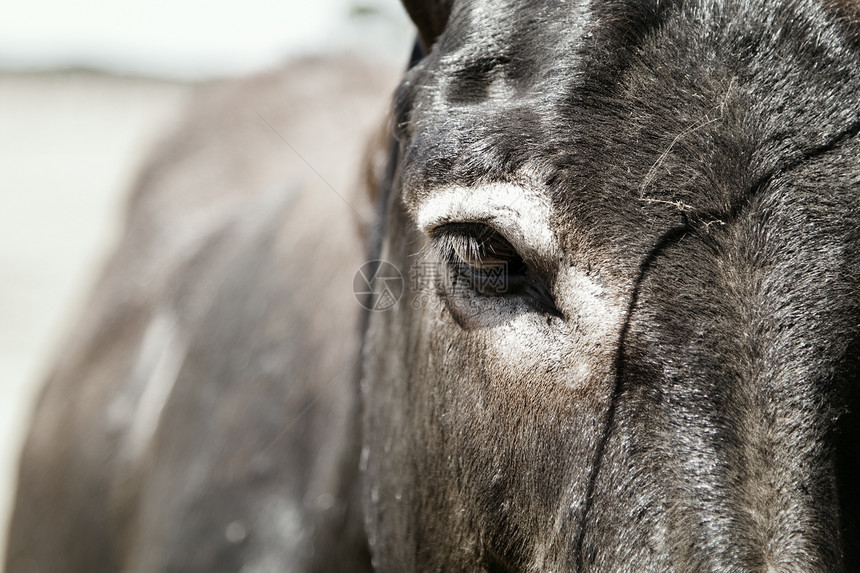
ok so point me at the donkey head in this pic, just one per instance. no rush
(639, 348)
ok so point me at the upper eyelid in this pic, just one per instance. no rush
(440, 240)
(439, 229)
(439, 236)
(474, 229)
(520, 214)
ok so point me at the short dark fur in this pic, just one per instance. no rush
(703, 162)
(688, 396)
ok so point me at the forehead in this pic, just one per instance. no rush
(513, 81)
(485, 98)
(622, 111)
(577, 101)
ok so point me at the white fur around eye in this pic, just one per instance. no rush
(522, 215)
(518, 342)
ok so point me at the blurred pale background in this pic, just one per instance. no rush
(85, 89)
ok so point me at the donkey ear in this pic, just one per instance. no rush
(430, 16)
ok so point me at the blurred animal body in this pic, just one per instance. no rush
(666, 380)
(201, 413)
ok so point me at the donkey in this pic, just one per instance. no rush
(665, 379)
(669, 380)
(202, 414)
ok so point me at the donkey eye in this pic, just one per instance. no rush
(486, 252)
(479, 257)
(483, 250)
(481, 260)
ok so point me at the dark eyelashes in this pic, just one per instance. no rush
(481, 258)
(477, 245)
